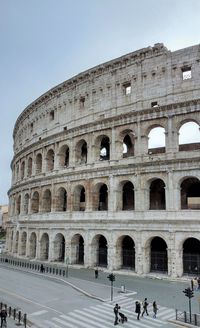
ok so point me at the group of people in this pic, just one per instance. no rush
(140, 309)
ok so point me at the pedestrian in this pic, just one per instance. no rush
(96, 273)
(155, 309)
(138, 309)
(116, 311)
(195, 284)
(3, 315)
(192, 284)
(42, 268)
(145, 305)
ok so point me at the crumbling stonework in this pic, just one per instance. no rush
(87, 189)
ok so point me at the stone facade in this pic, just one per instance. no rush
(86, 187)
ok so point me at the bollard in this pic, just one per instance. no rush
(1, 305)
(9, 311)
(25, 317)
(123, 289)
(14, 314)
(19, 316)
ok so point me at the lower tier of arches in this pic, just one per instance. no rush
(171, 253)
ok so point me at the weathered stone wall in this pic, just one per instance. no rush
(58, 170)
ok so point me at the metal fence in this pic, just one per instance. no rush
(15, 314)
(184, 316)
(53, 269)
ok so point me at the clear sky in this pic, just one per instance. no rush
(44, 42)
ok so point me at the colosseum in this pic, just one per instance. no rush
(88, 186)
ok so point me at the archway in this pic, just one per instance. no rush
(35, 202)
(128, 253)
(79, 203)
(128, 196)
(128, 146)
(38, 164)
(102, 252)
(50, 160)
(61, 200)
(77, 249)
(103, 198)
(189, 136)
(44, 247)
(157, 195)
(26, 203)
(33, 243)
(156, 143)
(46, 201)
(59, 248)
(23, 243)
(159, 258)
(64, 156)
(191, 256)
(190, 194)
(105, 149)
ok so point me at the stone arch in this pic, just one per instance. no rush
(44, 247)
(125, 248)
(23, 170)
(16, 242)
(38, 163)
(18, 205)
(128, 197)
(156, 139)
(59, 248)
(77, 249)
(157, 195)
(46, 201)
(23, 243)
(64, 156)
(30, 167)
(33, 245)
(189, 135)
(81, 152)
(102, 147)
(79, 200)
(128, 142)
(191, 256)
(26, 203)
(100, 197)
(35, 202)
(61, 200)
(159, 256)
(50, 160)
(190, 193)
(99, 251)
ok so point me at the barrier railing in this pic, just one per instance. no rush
(15, 314)
(54, 269)
(184, 316)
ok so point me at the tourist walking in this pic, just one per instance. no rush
(138, 309)
(96, 273)
(145, 305)
(155, 309)
(3, 315)
(116, 311)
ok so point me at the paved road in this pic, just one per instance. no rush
(53, 304)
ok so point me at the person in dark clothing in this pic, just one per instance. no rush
(116, 311)
(96, 273)
(145, 305)
(138, 309)
(42, 268)
(3, 315)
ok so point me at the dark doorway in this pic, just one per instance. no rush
(159, 260)
(128, 253)
(157, 195)
(102, 252)
(191, 256)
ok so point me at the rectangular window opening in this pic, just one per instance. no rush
(186, 73)
(127, 89)
(82, 102)
(51, 115)
(154, 104)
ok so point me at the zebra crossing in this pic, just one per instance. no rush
(102, 316)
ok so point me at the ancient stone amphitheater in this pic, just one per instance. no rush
(87, 186)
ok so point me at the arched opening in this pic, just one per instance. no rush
(33, 243)
(46, 201)
(128, 253)
(61, 201)
(105, 149)
(50, 160)
(64, 156)
(23, 243)
(35, 202)
(18, 205)
(156, 140)
(102, 252)
(22, 170)
(38, 164)
(26, 203)
(78, 249)
(189, 137)
(128, 196)
(79, 198)
(159, 259)
(16, 242)
(59, 248)
(81, 152)
(103, 198)
(157, 195)
(44, 247)
(190, 194)
(128, 146)
(191, 256)
(30, 167)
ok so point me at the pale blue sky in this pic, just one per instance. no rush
(44, 42)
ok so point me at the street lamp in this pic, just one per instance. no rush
(111, 277)
(189, 293)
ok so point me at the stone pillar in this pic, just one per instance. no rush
(111, 257)
(38, 248)
(172, 143)
(56, 157)
(27, 254)
(111, 194)
(68, 259)
(138, 143)
(87, 251)
(146, 259)
(112, 145)
(139, 257)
